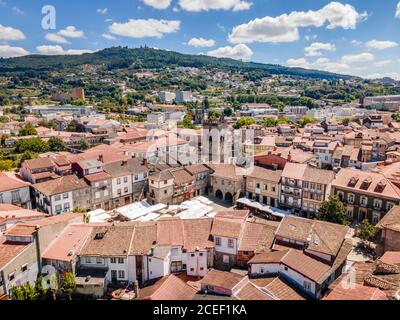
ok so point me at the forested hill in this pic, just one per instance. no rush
(148, 58)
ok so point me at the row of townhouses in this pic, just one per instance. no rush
(121, 254)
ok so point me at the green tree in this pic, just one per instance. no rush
(187, 122)
(285, 120)
(366, 231)
(29, 292)
(31, 144)
(56, 144)
(39, 287)
(4, 137)
(68, 285)
(4, 119)
(306, 120)
(228, 112)
(17, 293)
(79, 102)
(269, 122)
(396, 117)
(206, 103)
(28, 130)
(6, 165)
(84, 145)
(214, 114)
(244, 121)
(75, 126)
(333, 210)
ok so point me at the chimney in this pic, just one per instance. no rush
(124, 163)
(101, 158)
(289, 157)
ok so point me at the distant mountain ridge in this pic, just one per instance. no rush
(148, 58)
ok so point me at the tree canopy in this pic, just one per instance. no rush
(333, 210)
(244, 121)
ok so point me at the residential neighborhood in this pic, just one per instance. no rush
(259, 164)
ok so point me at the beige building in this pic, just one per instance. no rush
(227, 182)
(262, 185)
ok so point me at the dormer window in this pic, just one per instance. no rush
(353, 180)
(380, 186)
(366, 183)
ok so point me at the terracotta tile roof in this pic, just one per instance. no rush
(318, 175)
(98, 176)
(11, 181)
(257, 236)
(305, 265)
(161, 176)
(251, 292)
(391, 220)
(196, 234)
(21, 230)
(222, 279)
(169, 232)
(268, 257)
(281, 290)
(70, 241)
(192, 234)
(295, 228)
(321, 236)
(39, 163)
(265, 174)
(197, 168)
(124, 168)
(10, 211)
(391, 257)
(346, 291)
(225, 227)
(294, 170)
(327, 237)
(227, 171)
(109, 241)
(168, 288)
(144, 238)
(353, 180)
(60, 185)
(181, 176)
(9, 251)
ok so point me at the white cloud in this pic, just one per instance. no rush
(206, 5)
(357, 58)
(58, 50)
(320, 64)
(381, 45)
(7, 51)
(285, 28)
(200, 42)
(356, 43)
(398, 10)
(71, 32)
(108, 36)
(315, 49)
(311, 37)
(102, 11)
(382, 63)
(378, 75)
(238, 52)
(158, 4)
(140, 28)
(53, 37)
(18, 11)
(9, 33)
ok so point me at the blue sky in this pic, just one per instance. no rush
(358, 37)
